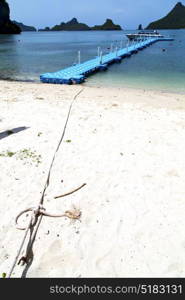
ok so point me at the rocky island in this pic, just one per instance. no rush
(25, 27)
(174, 20)
(140, 27)
(6, 25)
(44, 29)
(74, 25)
(108, 25)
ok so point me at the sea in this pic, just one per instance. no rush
(160, 67)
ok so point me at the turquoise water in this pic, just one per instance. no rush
(26, 56)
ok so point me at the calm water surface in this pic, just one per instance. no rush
(26, 56)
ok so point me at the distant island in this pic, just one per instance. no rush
(108, 25)
(44, 29)
(140, 27)
(71, 26)
(74, 25)
(13, 27)
(6, 25)
(24, 27)
(174, 20)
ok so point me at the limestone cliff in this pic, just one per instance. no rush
(6, 25)
(174, 20)
(72, 25)
(108, 25)
(24, 27)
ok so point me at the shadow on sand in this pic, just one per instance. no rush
(9, 132)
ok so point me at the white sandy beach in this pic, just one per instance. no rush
(128, 147)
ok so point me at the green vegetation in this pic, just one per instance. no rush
(26, 154)
(74, 25)
(25, 27)
(7, 154)
(6, 25)
(108, 25)
(174, 20)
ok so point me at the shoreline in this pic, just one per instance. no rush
(127, 146)
(86, 84)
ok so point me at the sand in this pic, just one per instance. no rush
(127, 146)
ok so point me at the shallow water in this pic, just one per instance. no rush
(26, 56)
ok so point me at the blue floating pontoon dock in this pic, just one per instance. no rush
(78, 73)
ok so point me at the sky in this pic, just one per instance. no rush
(127, 13)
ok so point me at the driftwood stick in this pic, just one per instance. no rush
(72, 192)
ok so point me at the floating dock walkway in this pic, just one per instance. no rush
(78, 73)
